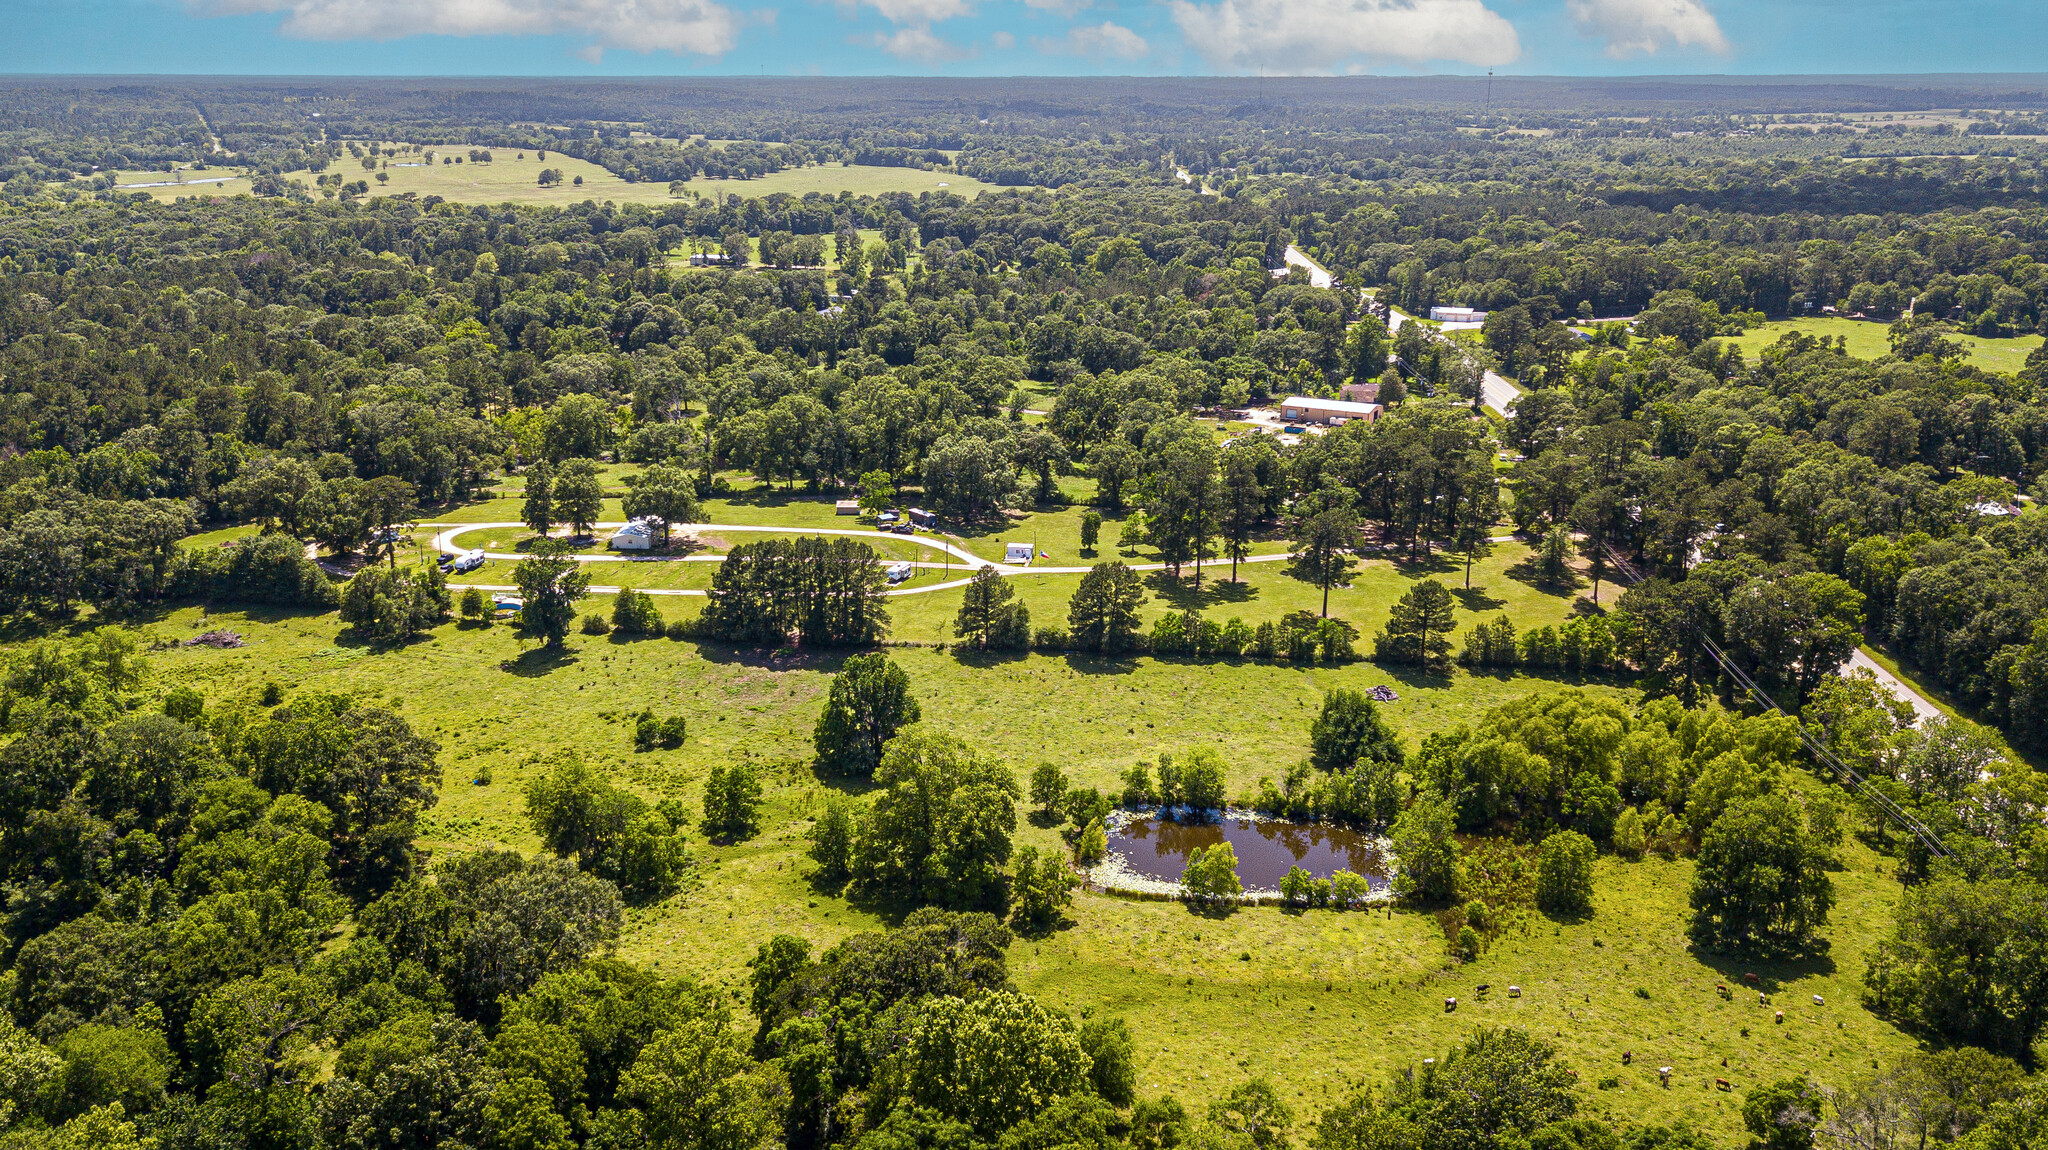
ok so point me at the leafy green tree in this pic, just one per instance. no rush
(128, 1066)
(938, 830)
(868, 703)
(1103, 615)
(1564, 873)
(578, 496)
(1761, 883)
(832, 839)
(1349, 730)
(1040, 888)
(1048, 787)
(1094, 842)
(1112, 1060)
(732, 802)
(990, 616)
(664, 492)
(1091, 529)
(1956, 965)
(538, 511)
(1211, 873)
(829, 591)
(550, 585)
(698, 1089)
(1247, 467)
(1419, 627)
(1254, 1112)
(634, 613)
(388, 501)
(1323, 544)
(1202, 779)
(609, 832)
(991, 1061)
(388, 607)
(1184, 501)
(877, 491)
(1792, 632)
(1783, 1115)
(1499, 1083)
(1426, 851)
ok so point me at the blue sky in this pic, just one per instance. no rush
(1011, 37)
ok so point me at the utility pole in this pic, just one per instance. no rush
(1489, 91)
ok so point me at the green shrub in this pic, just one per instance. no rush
(1564, 873)
(594, 624)
(185, 705)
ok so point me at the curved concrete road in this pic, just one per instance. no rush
(444, 541)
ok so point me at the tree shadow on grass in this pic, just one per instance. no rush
(1477, 599)
(1529, 572)
(1214, 911)
(967, 656)
(1185, 596)
(1085, 663)
(822, 659)
(1411, 676)
(1417, 566)
(539, 661)
(1773, 972)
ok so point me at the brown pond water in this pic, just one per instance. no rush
(1158, 848)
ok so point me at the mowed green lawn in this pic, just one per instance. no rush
(1867, 340)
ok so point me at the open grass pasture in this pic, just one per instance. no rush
(510, 179)
(1323, 999)
(1867, 341)
(1317, 1001)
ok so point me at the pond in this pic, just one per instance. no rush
(1153, 850)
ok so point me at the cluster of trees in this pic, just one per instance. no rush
(1701, 781)
(825, 591)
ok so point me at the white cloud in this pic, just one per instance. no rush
(918, 44)
(1298, 36)
(1640, 27)
(701, 27)
(920, 13)
(1104, 39)
(1003, 41)
(1063, 7)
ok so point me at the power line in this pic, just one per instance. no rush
(1814, 747)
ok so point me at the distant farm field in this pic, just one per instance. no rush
(1867, 341)
(510, 179)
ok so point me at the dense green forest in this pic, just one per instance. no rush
(220, 928)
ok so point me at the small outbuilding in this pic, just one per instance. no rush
(1018, 553)
(638, 535)
(846, 507)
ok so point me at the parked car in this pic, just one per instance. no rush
(904, 529)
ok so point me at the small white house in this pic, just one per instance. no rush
(1457, 315)
(1017, 552)
(639, 535)
(1303, 409)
